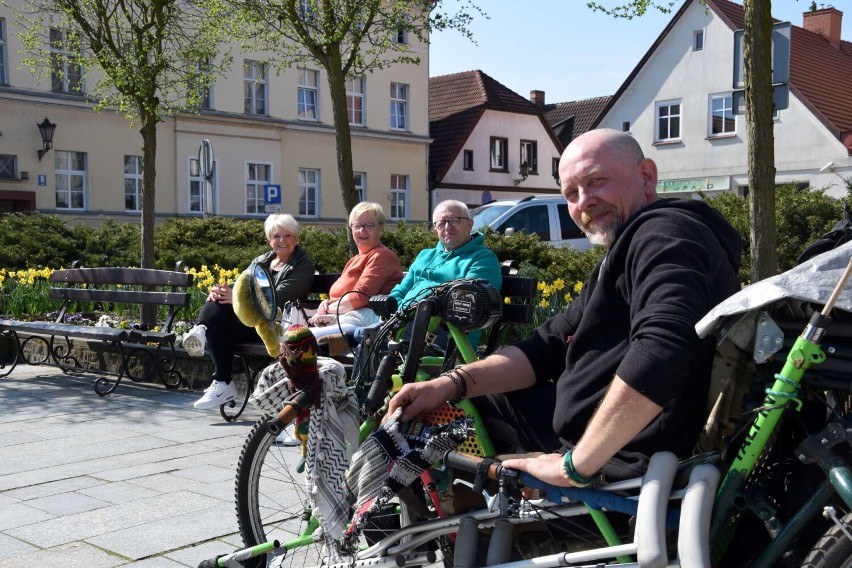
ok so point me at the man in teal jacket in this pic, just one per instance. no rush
(458, 254)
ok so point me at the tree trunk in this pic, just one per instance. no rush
(149, 176)
(757, 51)
(343, 138)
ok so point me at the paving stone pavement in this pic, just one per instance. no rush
(138, 477)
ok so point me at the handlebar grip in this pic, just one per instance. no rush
(473, 464)
(379, 387)
(419, 327)
(293, 406)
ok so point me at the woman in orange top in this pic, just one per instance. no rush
(374, 270)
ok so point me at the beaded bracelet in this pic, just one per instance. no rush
(576, 479)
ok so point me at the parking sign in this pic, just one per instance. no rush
(272, 198)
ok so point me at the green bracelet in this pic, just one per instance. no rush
(570, 473)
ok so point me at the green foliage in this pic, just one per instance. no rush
(224, 241)
(112, 244)
(34, 239)
(328, 248)
(801, 216)
(408, 240)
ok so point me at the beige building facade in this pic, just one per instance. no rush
(266, 129)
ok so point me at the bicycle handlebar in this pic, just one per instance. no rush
(293, 406)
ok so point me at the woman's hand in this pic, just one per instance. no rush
(221, 294)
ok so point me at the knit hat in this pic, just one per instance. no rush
(300, 358)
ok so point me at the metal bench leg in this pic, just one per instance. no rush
(14, 350)
(167, 368)
(227, 410)
(102, 382)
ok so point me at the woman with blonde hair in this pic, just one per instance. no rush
(292, 272)
(374, 270)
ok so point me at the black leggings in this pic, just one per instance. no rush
(223, 330)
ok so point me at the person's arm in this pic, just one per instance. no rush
(504, 371)
(622, 414)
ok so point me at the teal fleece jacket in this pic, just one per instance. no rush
(436, 266)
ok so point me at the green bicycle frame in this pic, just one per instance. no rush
(804, 354)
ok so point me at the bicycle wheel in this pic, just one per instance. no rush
(272, 503)
(833, 550)
(271, 499)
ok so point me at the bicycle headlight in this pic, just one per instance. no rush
(472, 304)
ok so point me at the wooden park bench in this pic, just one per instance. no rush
(141, 353)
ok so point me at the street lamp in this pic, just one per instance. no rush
(46, 129)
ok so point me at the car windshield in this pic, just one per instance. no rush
(484, 215)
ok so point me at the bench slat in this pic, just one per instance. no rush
(120, 296)
(47, 328)
(128, 276)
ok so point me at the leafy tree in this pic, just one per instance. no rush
(347, 38)
(154, 57)
(757, 69)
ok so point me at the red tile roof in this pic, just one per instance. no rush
(456, 103)
(573, 118)
(820, 74)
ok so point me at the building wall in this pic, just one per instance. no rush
(676, 72)
(279, 139)
(476, 186)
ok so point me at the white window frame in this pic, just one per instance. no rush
(307, 97)
(727, 109)
(356, 89)
(671, 116)
(64, 83)
(133, 182)
(401, 36)
(529, 154)
(309, 192)
(254, 197)
(206, 102)
(698, 35)
(63, 177)
(4, 74)
(400, 186)
(195, 190)
(399, 106)
(360, 179)
(499, 148)
(255, 83)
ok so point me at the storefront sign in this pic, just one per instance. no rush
(716, 183)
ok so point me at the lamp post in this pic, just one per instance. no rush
(46, 129)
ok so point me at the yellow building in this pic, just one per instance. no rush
(265, 129)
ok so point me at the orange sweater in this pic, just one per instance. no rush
(374, 272)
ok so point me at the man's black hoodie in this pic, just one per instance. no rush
(671, 262)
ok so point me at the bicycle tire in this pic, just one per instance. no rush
(272, 502)
(832, 550)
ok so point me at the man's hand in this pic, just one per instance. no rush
(546, 467)
(415, 398)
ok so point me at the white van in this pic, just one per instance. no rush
(545, 215)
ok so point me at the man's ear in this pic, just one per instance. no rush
(648, 171)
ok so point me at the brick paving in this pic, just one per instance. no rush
(138, 477)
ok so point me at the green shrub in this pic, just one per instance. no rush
(29, 240)
(801, 216)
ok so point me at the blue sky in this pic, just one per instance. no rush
(564, 48)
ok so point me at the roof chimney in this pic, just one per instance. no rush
(826, 22)
(537, 98)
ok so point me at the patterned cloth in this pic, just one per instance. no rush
(332, 439)
(390, 460)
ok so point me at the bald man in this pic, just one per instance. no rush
(621, 373)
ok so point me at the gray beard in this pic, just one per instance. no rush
(604, 237)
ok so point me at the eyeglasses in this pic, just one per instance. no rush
(452, 222)
(359, 226)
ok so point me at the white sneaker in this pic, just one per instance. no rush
(217, 394)
(195, 340)
(287, 437)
